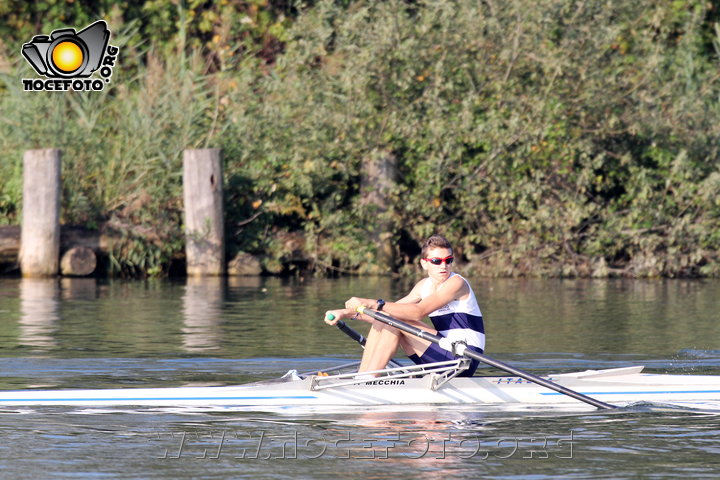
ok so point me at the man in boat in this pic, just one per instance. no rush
(444, 296)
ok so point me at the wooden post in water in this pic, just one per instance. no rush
(203, 196)
(40, 234)
(378, 175)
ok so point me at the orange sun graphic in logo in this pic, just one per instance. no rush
(67, 56)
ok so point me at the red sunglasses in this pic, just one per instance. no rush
(439, 261)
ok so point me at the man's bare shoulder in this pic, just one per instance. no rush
(456, 285)
(415, 294)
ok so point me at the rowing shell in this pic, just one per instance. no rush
(399, 386)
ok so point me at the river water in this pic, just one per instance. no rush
(83, 333)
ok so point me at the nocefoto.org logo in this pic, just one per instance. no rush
(67, 59)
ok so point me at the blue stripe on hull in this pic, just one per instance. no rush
(642, 392)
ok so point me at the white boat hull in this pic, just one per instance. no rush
(618, 387)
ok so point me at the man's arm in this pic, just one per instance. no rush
(455, 287)
(414, 295)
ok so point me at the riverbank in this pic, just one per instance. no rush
(552, 144)
(292, 258)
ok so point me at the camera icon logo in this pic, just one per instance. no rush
(66, 54)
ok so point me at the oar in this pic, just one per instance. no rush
(460, 349)
(350, 332)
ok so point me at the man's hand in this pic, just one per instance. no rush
(332, 316)
(355, 302)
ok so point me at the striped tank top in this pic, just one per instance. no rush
(459, 320)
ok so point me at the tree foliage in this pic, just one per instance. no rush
(557, 137)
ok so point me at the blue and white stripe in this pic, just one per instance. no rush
(459, 320)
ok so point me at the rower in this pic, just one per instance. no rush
(444, 296)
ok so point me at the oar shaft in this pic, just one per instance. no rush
(352, 333)
(418, 332)
(357, 336)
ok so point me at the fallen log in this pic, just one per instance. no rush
(9, 244)
(78, 262)
(99, 243)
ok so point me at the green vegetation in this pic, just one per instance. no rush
(556, 138)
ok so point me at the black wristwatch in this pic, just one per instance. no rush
(381, 304)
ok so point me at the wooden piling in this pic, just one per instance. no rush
(40, 234)
(203, 197)
(378, 176)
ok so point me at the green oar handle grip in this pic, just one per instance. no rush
(347, 330)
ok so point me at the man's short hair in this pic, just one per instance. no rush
(435, 241)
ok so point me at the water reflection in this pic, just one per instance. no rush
(617, 315)
(431, 440)
(251, 283)
(78, 288)
(39, 317)
(202, 313)
(246, 317)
